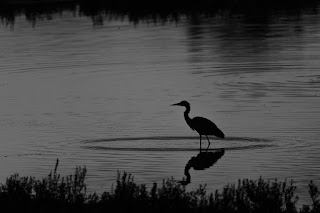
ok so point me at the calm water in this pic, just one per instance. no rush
(101, 96)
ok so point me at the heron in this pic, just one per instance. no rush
(202, 125)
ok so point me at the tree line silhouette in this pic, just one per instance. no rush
(156, 10)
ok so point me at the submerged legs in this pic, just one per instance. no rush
(208, 142)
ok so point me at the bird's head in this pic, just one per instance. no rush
(182, 103)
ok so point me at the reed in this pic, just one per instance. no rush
(64, 194)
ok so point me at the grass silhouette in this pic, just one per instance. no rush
(64, 194)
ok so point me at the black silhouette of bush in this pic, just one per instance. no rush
(64, 194)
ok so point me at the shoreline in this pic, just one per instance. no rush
(162, 11)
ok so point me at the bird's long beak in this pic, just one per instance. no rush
(177, 104)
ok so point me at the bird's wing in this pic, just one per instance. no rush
(203, 125)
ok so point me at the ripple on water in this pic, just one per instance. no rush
(181, 143)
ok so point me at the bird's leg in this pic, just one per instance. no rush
(208, 142)
(200, 143)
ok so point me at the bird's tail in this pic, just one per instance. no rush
(220, 134)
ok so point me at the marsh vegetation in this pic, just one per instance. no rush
(55, 193)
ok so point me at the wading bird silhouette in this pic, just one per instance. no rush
(202, 125)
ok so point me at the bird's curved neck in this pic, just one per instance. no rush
(187, 118)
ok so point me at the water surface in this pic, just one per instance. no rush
(100, 96)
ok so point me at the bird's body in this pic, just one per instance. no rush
(202, 125)
(206, 127)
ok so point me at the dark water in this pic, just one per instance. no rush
(100, 96)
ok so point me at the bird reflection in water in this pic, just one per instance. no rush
(202, 161)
